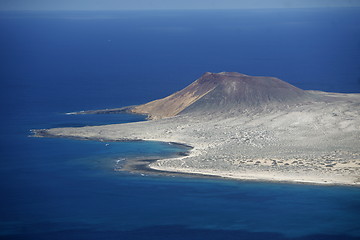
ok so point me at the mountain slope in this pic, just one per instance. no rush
(214, 92)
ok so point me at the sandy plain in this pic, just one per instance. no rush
(316, 142)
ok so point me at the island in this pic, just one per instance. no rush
(246, 128)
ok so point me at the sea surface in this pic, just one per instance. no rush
(57, 62)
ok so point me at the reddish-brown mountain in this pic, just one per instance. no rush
(225, 91)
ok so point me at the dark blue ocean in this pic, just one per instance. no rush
(57, 62)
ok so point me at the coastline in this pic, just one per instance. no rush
(315, 142)
(149, 166)
(253, 176)
(143, 167)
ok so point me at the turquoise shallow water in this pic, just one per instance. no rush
(54, 63)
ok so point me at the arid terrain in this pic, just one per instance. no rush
(249, 128)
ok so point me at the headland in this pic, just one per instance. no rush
(246, 128)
